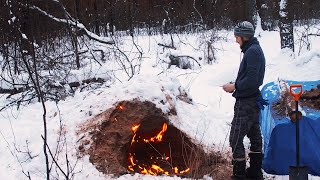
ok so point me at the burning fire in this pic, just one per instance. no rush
(154, 168)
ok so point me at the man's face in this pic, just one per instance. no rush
(239, 40)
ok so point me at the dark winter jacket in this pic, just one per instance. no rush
(251, 71)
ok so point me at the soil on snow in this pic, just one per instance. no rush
(108, 137)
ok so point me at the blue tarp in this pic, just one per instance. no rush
(279, 134)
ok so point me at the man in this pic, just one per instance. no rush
(246, 110)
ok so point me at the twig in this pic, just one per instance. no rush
(54, 160)
(92, 54)
(166, 46)
(16, 156)
(313, 34)
(163, 157)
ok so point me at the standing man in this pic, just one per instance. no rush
(246, 109)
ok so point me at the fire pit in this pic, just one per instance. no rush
(156, 148)
(137, 137)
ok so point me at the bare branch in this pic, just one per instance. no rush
(313, 34)
(74, 24)
(166, 46)
(53, 158)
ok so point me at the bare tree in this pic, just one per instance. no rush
(286, 26)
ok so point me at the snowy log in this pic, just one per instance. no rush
(182, 62)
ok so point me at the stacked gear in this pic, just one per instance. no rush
(280, 134)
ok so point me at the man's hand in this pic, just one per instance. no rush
(230, 87)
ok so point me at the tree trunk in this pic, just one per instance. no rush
(130, 18)
(252, 11)
(149, 17)
(96, 19)
(75, 35)
(286, 26)
(262, 9)
(78, 14)
(76, 50)
(111, 16)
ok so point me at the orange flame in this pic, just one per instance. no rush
(135, 128)
(144, 171)
(132, 141)
(131, 160)
(130, 168)
(159, 169)
(159, 136)
(176, 170)
(184, 171)
(154, 169)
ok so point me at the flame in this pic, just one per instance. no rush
(131, 160)
(176, 170)
(132, 141)
(159, 136)
(159, 169)
(184, 171)
(130, 168)
(135, 128)
(144, 171)
(154, 169)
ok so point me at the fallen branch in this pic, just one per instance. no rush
(167, 46)
(13, 91)
(72, 54)
(71, 84)
(313, 34)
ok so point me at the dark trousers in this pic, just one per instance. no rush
(245, 123)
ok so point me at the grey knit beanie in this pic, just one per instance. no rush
(244, 29)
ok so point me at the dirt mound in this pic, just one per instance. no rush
(137, 137)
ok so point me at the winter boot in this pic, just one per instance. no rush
(239, 169)
(254, 171)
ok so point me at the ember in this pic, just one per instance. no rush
(120, 107)
(135, 128)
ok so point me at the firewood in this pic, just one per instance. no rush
(287, 101)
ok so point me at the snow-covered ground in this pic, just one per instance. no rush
(21, 149)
